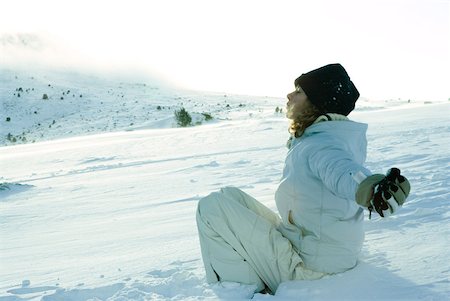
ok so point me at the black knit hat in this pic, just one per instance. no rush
(330, 89)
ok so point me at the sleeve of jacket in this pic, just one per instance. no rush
(336, 168)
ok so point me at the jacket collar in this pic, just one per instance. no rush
(331, 117)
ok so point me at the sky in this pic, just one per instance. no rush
(391, 48)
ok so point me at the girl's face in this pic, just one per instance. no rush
(297, 103)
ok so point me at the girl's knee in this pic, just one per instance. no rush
(208, 204)
(233, 192)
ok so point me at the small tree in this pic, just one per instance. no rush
(207, 116)
(183, 117)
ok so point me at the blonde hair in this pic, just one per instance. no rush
(304, 120)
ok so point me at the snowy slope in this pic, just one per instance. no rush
(111, 216)
(78, 104)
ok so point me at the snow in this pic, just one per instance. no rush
(93, 211)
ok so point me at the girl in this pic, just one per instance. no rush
(320, 198)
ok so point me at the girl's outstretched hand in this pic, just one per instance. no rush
(383, 193)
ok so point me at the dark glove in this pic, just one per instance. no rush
(384, 194)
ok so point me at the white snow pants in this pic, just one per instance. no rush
(240, 242)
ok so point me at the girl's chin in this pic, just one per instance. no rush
(289, 115)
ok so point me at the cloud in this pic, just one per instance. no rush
(31, 51)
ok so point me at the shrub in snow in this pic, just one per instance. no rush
(207, 116)
(18, 138)
(8, 119)
(11, 138)
(45, 96)
(4, 186)
(183, 117)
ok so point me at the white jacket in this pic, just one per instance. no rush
(316, 196)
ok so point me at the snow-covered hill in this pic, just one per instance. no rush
(39, 105)
(111, 215)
